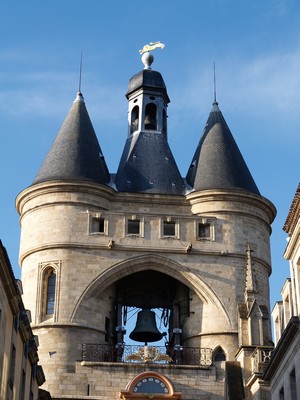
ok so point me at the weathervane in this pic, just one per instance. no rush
(151, 46)
(147, 57)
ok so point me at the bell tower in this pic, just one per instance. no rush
(147, 107)
(170, 254)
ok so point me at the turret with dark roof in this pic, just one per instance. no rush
(75, 153)
(218, 162)
(147, 164)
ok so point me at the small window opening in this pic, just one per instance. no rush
(150, 117)
(23, 383)
(203, 231)
(107, 329)
(169, 228)
(220, 355)
(51, 293)
(16, 322)
(134, 119)
(97, 225)
(12, 366)
(281, 394)
(293, 384)
(133, 226)
(25, 350)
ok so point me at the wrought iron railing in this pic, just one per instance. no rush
(261, 358)
(147, 354)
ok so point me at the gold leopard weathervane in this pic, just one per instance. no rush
(147, 57)
(151, 46)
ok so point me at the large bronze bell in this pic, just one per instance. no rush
(145, 329)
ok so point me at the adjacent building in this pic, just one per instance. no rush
(20, 373)
(283, 372)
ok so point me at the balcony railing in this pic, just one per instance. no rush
(261, 358)
(147, 354)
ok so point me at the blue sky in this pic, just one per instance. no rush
(255, 45)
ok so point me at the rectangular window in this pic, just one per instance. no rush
(293, 385)
(23, 382)
(281, 394)
(97, 225)
(12, 366)
(169, 228)
(203, 231)
(133, 227)
(107, 329)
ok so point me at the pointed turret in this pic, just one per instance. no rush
(218, 162)
(147, 164)
(75, 153)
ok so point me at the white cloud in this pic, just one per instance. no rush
(265, 84)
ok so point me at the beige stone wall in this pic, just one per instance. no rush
(55, 220)
(104, 382)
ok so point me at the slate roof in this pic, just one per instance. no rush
(148, 166)
(218, 162)
(148, 79)
(75, 153)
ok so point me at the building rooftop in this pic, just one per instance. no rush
(75, 153)
(218, 162)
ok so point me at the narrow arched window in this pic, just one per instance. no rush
(51, 283)
(219, 355)
(150, 116)
(134, 124)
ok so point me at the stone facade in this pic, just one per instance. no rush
(283, 372)
(57, 235)
(202, 256)
(20, 373)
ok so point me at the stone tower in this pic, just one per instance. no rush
(97, 248)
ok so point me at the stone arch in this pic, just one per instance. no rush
(150, 121)
(219, 354)
(135, 115)
(150, 384)
(156, 263)
(46, 270)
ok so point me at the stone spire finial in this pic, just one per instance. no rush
(147, 60)
(250, 284)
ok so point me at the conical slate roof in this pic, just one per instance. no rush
(218, 162)
(148, 166)
(75, 153)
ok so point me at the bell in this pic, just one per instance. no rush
(145, 329)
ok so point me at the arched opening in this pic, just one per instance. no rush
(150, 384)
(154, 283)
(145, 292)
(150, 121)
(50, 297)
(134, 124)
(219, 354)
(255, 329)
